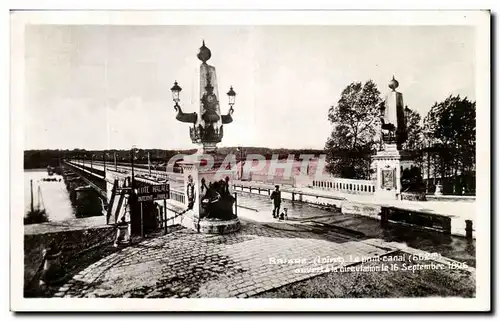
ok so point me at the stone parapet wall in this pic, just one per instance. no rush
(344, 185)
(73, 244)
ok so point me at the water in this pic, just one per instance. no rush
(53, 196)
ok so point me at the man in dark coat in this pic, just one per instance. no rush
(190, 193)
(276, 197)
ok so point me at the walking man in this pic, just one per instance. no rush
(276, 197)
(190, 193)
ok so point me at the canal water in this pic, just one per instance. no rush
(50, 195)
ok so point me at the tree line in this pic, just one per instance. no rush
(52, 157)
(442, 145)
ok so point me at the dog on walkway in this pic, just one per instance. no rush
(284, 214)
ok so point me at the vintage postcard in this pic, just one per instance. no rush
(250, 160)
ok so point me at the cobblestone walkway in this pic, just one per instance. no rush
(186, 264)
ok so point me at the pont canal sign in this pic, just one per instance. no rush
(153, 192)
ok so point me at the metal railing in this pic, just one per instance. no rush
(293, 193)
(97, 188)
(139, 171)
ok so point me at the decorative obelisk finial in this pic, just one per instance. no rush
(393, 84)
(204, 53)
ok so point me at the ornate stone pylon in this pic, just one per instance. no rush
(393, 133)
(208, 189)
(207, 129)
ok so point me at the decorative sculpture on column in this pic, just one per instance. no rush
(393, 116)
(207, 129)
(209, 199)
(393, 134)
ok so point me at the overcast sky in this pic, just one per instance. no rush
(98, 87)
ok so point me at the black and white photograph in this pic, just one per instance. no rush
(229, 161)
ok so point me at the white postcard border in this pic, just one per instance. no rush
(479, 19)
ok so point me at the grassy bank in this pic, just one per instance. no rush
(36, 216)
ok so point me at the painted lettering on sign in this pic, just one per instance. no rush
(153, 193)
(145, 198)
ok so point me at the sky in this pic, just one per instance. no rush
(105, 87)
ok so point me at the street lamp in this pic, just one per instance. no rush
(407, 113)
(104, 160)
(240, 149)
(231, 94)
(176, 90)
(149, 164)
(427, 135)
(132, 152)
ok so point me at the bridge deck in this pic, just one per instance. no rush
(187, 264)
(458, 212)
(259, 208)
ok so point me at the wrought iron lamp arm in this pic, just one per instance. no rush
(226, 119)
(185, 117)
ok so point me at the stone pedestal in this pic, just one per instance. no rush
(208, 193)
(388, 173)
(122, 234)
(52, 271)
(207, 226)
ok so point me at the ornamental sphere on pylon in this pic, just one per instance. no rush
(204, 53)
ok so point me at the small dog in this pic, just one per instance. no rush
(284, 214)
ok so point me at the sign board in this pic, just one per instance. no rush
(153, 192)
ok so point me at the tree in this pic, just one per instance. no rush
(355, 120)
(413, 130)
(451, 127)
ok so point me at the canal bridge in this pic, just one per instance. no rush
(110, 185)
(102, 177)
(351, 196)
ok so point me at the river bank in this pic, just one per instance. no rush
(76, 225)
